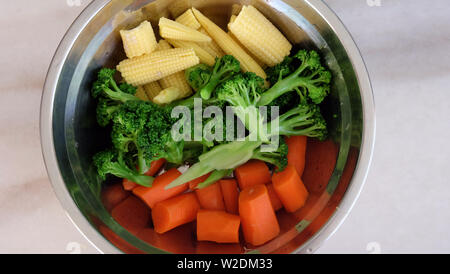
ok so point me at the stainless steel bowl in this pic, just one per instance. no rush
(70, 135)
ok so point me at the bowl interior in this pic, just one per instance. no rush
(76, 136)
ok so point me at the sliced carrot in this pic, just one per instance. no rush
(174, 212)
(297, 152)
(259, 222)
(155, 166)
(132, 214)
(113, 195)
(276, 203)
(217, 226)
(211, 197)
(290, 189)
(230, 194)
(157, 192)
(193, 184)
(252, 173)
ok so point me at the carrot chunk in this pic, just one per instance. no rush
(297, 152)
(259, 222)
(157, 192)
(217, 226)
(174, 212)
(230, 194)
(211, 197)
(252, 173)
(290, 189)
(276, 203)
(132, 214)
(155, 166)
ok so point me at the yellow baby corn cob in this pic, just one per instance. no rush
(156, 65)
(167, 96)
(236, 9)
(138, 41)
(176, 80)
(203, 54)
(232, 19)
(260, 36)
(152, 89)
(188, 19)
(228, 45)
(163, 45)
(260, 63)
(212, 46)
(141, 94)
(170, 29)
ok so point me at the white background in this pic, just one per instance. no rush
(404, 207)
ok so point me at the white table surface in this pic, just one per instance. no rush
(403, 208)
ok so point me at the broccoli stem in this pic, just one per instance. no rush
(214, 177)
(119, 95)
(122, 171)
(283, 86)
(142, 163)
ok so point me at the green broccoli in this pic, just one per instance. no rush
(243, 92)
(277, 158)
(112, 162)
(303, 120)
(224, 68)
(106, 86)
(198, 76)
(311, 80)
(106, 108)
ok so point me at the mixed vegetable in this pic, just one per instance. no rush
(227, 183)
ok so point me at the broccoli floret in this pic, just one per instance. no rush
(281, 70)
(243, 92)
(224, 68)
(311, 80)
(106, 86)
(284, 103)
(303, 120)
(198, 76)
(111, 162)
(106, 109)
(277, 158)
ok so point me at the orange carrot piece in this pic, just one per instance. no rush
(157, 192)
(211, 197)
(290, 189)
(113, 195)
(259, 222)
(132, 214)
(252, 173)
(194, 183)
(230, 194)
(174, 212)
(276, 202)
(217, 226)
(297, 152)
(155, 166)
